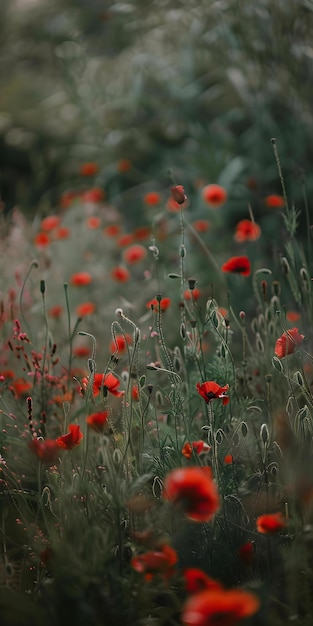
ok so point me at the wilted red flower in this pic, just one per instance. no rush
(62, 233)
(124, 165)
(134, 254)
(246, 553)
(178, 194)
(120, 274)
(81, 279)
(214, 195)
(199, 447)
(85, 308)
(104, 383)
(293, 316)
(89, 169)
(55, 311)
(246, 230)
(50, 222)
(152, 198)
(238, 265)
(193, 488)
(270, 523)
(42, 240)
(94, 196)
(201, 226)
(120, 343)
(210, 390)
(45, 449)
(196, 580)
(163, 304)
(112, 230)
(97, 420)
(193, 294)
(288, 343)
(156, 562)
(226, 607)
(71, 439)
(274, 201)
(93, 222)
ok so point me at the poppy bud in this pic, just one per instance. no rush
(178, 194)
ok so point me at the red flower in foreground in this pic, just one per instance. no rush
(270, 523)
(274, 201)
(196, 580)
(226, 607)
(134, 254)
(214, 195)
(246, 230)
(85, 308)
(199, 447)
(288, 343)
(160, 561)
(81, 279)
(210, 390)
(193, 489)
(45, 449)
(152, 198)
(120, 274)
(89, 169)
(103, 382)
(97, 420)
(71, 439)
(238, 265)
(155, 304)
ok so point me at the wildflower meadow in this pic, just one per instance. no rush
(156, 362)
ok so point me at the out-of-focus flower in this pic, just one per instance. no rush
(81, 279)
(237, 265)
(71, 439)
(194, 490)
(152, 198)
(142, 233)
(196, 580)
(50, 222)
(214, 195)
(288, 343)
(293, 316)
(103, 383)
(120, 343)
(193, 294)
(270, 523)
(55, 311)
(228, 459)
(97, 420)
(93, 222)
(246, 553)
(42, 240)
(62, 233)
(134, 254)
(85, 308)
(226, 607)
(124, 165)
(246, 230)
(120, 274)
(82, 351)
(45, 449)
(210, 390)
(93, 196)
(157, 562)
(112, 230)
(274, 201)
(164, 304)
(201, 226)
(125, 240)
(20, 387)
(89, 169)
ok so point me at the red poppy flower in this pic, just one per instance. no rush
(82, 351)
(193, 294)
(160, 562)
(71, 439)
(93, 222)
(97, 420)
(120, 343)
(89, 169)
(85, 308)
(94, 196)
(226, 607)
(178, 194)
(112, 230)
(238, 265)
(246, 553)
(42, 240)
(120, 274)
(196, 580)
(20, 387)
(274, 201)
(246, 230)
(50, 222)
(124, 165)
(201, 226)
(67, 198)
(135, 392)
(125, 240)
(134, 254)
(62, 233)
(199, 447)
(288, 343)
(193, 488)
(293, 316)
(152, 198)
(45, 449)
(270, 523)
(163, 304)
(142, 233)
(55, 311)
(210, 390)
(228, 459)
(103, 382)
(214, 195)
(81, 279)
